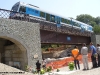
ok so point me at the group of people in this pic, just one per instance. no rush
(94, 53)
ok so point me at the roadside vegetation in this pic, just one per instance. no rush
(88, 19)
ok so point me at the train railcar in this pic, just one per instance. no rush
(36, 12)
(83, 26)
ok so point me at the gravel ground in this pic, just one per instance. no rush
(63, 71)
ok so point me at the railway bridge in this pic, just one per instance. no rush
(21, 38)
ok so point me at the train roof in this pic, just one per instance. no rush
(37, 8)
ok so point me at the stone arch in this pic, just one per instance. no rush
(25, 35)
(19, 43)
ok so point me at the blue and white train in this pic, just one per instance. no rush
(36, 12)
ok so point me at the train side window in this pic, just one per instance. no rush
(90, 28)
(22, 9)
(52, 18)
(42, 14)
(74, 23)
(48, 17)
(67, 21)
(58, 20)
(77, 24)
(62, 20)
(15, 8)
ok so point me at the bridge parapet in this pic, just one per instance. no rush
(44, 25)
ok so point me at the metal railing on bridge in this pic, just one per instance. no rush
(44, 25)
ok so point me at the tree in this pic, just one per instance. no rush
(85, 18)
(92, 23)
(97, 20)
(96, 29)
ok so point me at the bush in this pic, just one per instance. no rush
(49, 69)
(42, 71)
(71, 66)
(58, 70)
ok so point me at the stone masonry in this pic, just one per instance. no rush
(26, 36)
(95, 39)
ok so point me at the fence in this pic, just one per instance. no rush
(64, 62)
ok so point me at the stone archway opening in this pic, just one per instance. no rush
(12, 53)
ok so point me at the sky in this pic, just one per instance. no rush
(66, 8)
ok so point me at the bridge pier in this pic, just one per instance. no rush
(24, 43)
(95, 39)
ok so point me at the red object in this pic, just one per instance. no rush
(64, 62)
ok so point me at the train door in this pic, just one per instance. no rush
(58, 19)
(82, 28)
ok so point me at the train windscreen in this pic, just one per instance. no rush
(15, 8)
(13, 11)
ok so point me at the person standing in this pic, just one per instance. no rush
(38, 66)
(44, 63)
(98, 52)
(75, 55)
(93, 54)
(84, 52)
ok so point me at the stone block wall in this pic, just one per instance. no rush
(25, 35)
(95, 39)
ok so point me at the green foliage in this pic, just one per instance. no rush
(53, 46)
(45, 47)
(26, 67)
(85, 18)
(97, 29)
(92, 23)
(58, 70)
(97, 20)
(49, 69)
(88, 19)
(42, 71)
(71, 65)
